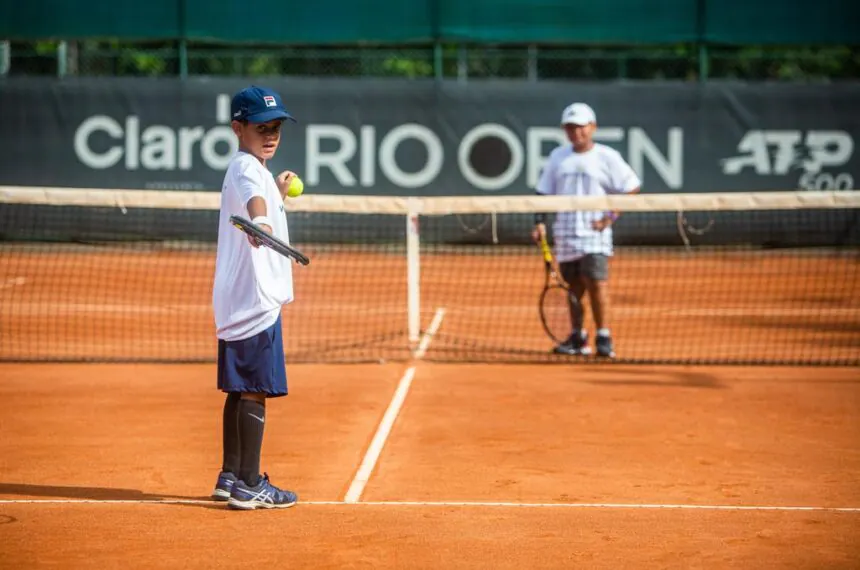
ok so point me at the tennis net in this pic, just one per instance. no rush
(122, 275)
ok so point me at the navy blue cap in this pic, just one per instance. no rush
(258, 105)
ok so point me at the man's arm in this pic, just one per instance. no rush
(248, 185)
(259, 215)
(611, 216)
(539, 231)
(545, 186)
(624, 181)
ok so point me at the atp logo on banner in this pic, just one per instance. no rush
(780, 152)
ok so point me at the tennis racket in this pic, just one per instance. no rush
(686, 228)
(555, 299)
(268, 240)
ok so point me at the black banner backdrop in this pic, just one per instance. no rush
(425, 138)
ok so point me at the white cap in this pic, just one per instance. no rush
(578, 114)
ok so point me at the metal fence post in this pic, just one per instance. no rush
(183, 59)
(702, 39)
(183, 39)
(438, 71)
(5, 57)
(62, 58)
(533, 63)
(704, 62)
(622, 65)
(462, 63)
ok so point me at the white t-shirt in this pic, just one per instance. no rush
(251, 284)
(597, 172)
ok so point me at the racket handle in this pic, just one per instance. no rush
(547, 254)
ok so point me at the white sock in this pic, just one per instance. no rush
(603, 332)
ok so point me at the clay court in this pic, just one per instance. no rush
(518, 461)
(440, 414)
(486, 466)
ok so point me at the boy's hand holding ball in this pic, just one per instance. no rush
(296, 187)
(292, 182)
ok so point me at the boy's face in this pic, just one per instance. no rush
(259, 139)
(580, 135)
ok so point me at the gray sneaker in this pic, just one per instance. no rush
(263, 495)
(575, 345)
(224, 486)
(604, 347)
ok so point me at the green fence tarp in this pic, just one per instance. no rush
(630, 22)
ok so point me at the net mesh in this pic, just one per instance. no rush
(110, 275)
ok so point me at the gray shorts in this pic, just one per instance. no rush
(594, 266)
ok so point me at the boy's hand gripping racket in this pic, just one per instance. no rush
(268, 240)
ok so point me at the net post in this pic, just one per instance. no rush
(413, 276)
(495, 227)
(5, 57)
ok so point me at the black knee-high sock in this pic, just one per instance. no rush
(232, 459)
(252, 418)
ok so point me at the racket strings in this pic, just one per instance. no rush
(686, 228)
(555, 313)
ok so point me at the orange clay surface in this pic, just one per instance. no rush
(597, 453)
(84, 303)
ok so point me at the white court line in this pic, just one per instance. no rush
(657, 310)
(356, 488)
(25, 309)
(13, 282)
(424, 344)
(101, 308)
(465, 504)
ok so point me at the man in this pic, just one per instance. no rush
(251, 286)
(583, 240)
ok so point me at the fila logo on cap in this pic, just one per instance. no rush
(270, 101)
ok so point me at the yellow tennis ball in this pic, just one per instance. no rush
(296, 187)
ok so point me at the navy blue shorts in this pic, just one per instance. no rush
(255, 364)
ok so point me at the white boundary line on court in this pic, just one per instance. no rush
(13, 282)
(24, 309)
(356, 488)
(472, 504)
(429, 333)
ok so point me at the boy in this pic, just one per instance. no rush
(251, 285)
(583, 240)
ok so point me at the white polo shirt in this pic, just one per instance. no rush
(251, 284)
(597, 172)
